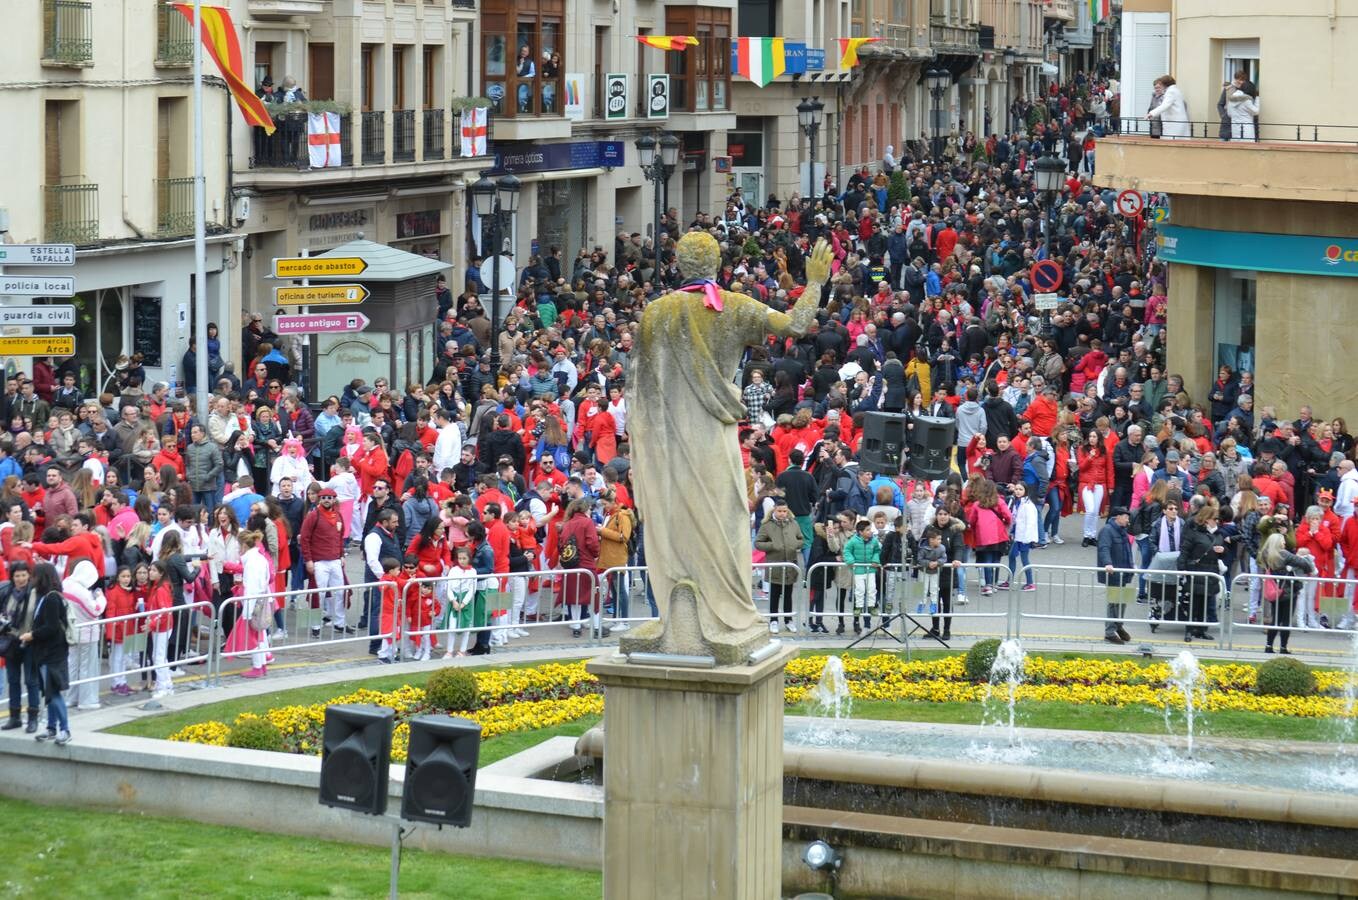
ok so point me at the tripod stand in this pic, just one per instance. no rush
(888, 619)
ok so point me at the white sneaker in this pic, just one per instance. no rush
(619, 626)
(773, 628)
(280, 635)
(522, 633)
(791, 627)
(1058, 540)
(177, 672)
(961, 600)
(162, 692)
(91, 706)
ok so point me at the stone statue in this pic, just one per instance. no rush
(690, 484)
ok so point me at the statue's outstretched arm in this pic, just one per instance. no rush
(796, 322)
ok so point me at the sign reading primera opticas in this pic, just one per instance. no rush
(616, 95)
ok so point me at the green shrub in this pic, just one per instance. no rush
(898, 189)
(453, 689)
(981, 658)
(253, 733)
(1285, 678)
(752, 249)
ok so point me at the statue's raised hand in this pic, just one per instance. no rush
(818, 266)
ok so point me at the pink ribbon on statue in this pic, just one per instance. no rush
(711, 293)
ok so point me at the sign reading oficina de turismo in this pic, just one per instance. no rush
(1253, 251)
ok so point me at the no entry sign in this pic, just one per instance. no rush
(1130, 203)
(1045, 276)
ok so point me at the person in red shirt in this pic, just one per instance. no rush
(1042, 412)
(83, 543)
(169, 456)
(394, 580)
(490, 493)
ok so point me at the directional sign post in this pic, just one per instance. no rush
(37, 254)
(1131, 203)
(319, 267)
(1045, 276)
(320, 295)
(321, 323)
(37, 285)
(37, 315)
(38, 345)
(1045, 302)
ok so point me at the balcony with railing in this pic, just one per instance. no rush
(174, 37)
(435, 143)
(402, 135)
(1299, 162)
(71, 212)
(374, 138)
(174, 206)
(67, 33)
(289, 147)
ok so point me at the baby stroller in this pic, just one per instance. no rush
(1167, 602)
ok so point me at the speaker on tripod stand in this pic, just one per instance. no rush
(931, 445)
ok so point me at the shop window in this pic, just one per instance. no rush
(1233, 317)
(700, 76)
(523, 53)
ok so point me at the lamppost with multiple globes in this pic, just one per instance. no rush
(808, 117)
(491, 199)
(938, 81)
(659, 157)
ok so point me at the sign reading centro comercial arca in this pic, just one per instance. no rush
(1296, 254)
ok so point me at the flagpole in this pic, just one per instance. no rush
(199, 224)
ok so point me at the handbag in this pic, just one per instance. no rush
(8, 644)
(1272, 590)
(261, 614)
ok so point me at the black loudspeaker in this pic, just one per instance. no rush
(931, 446)
(356, 757)
(441, 770)
(884, 442)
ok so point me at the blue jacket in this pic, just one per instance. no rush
(1114, 550)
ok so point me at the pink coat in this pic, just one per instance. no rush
(989, 526)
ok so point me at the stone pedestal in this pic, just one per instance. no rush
(693, 779)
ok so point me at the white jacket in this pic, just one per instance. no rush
(1241, 109)
(1025, 522)
(83, 605)
(1173, 113)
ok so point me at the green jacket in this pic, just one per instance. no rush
(861, 554)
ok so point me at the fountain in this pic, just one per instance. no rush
(1184, 676)
(1008, 666)
(830, 704)
(1344, 773)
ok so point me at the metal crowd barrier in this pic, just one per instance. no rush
(503, 584)
(841, 607)
(142, 640)
(1075, 594)
(1249, 588)
(305, 628)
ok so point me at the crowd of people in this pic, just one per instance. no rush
(130, 520)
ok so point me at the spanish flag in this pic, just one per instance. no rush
(219, 37)
(848, 50)
(668, 42)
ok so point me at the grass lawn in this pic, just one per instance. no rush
(60, 852)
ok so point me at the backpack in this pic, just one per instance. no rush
(569, 553)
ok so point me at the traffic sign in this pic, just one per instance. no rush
(506, 266)
(320, 294)
(56, 314)
(1044, 302)
(318, 267)
(38, 345)
(37, 254)
(321, 323)
(1046, 276)
(1130, 203)
(37, 286)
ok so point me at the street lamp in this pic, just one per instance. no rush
(659, 155)
(1009, 56)
(1048, 174)
(808, 117)
(938, 81)
(491, 199)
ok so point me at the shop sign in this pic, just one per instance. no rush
(525, 158)
(615, 95)
(419, 224)
(815, 59)
(330, 228)
(657, 96)
(795, 56)
(1253, 251)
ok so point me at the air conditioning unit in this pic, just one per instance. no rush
(240, 210)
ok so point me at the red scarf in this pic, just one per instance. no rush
(330, 516)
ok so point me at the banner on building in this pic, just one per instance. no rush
(615, 95)
(657, 96)
(220, 41)
(848, 50)
(668, 41)
(575, 96)
(760, 59)
(475, 131)
(323, 140)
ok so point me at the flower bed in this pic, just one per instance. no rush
(530, 698)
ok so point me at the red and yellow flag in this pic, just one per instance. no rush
(668, 42)
(219, 37)
(848, 50)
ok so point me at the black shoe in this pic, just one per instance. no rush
(346, 629)
(575, 632)
(48, 735)
(32, 722)
(947, 636)
(1188, 637)
(363, 624)
(13, 723)
(1122, 633)
(857, 630)
(840, 629)
(1113, 640)
(1285, 652)
(315, 631)
(1203, 635)
(1268, 648)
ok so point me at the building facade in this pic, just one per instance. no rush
(100, 155)
(1262, 235)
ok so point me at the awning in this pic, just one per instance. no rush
(1049, 69)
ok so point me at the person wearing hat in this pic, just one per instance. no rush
(322, 544)
(1115, 563)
